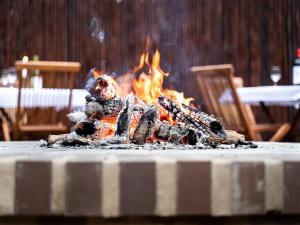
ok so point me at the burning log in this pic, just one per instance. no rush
(124, 117)
(145, 127)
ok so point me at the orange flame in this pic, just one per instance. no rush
(149, 86)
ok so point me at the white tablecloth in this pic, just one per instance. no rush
(45, 97)
(288, 95)
(270, 95)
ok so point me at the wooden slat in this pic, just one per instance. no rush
(48, 66)
(41, 128)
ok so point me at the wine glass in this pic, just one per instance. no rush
(11, 78)
(275, 75)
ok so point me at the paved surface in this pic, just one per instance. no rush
(265, 150)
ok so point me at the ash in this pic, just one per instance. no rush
(116, 144)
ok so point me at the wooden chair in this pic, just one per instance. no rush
(5, 125)
(218, 88)
(55, 76)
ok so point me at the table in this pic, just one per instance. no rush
(288, 95)
(145, 183)
(44, 97)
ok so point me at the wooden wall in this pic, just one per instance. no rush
(251, 34)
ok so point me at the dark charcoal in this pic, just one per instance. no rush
(85, 128)
(124, 117)
(193, 137)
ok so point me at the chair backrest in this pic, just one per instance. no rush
(44, 94)
(217, 86)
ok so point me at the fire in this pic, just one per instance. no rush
(148, 86)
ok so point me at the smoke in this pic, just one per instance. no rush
(96, 31)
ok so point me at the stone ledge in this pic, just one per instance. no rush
(115, 183)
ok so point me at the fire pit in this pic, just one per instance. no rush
(143, 112)
(170, 183)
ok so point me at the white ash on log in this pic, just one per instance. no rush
(98, 108)
(179, 116)
(145, 127)
(177, 134)
(68, 139)
(211, 130)
(209, 121)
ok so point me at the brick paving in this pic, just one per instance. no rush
(36, 180)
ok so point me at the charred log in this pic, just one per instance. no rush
(232, 137)
(177, 134)
(206, 120)
(211, 130)
(145, 126)
(67, 140)
(124, 118)
(206, 124)
(99, 108)
(179, 116)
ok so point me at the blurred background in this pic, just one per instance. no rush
(258, 38)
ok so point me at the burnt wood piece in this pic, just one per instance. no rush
(207, 136)
(177, 134)
(146, 125)
(124, 118)
(179, 116)
(85, 127)
(208, 121)
(99, 108)
(68, 140)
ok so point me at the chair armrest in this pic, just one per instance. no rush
(267, 127)
(281, 130)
